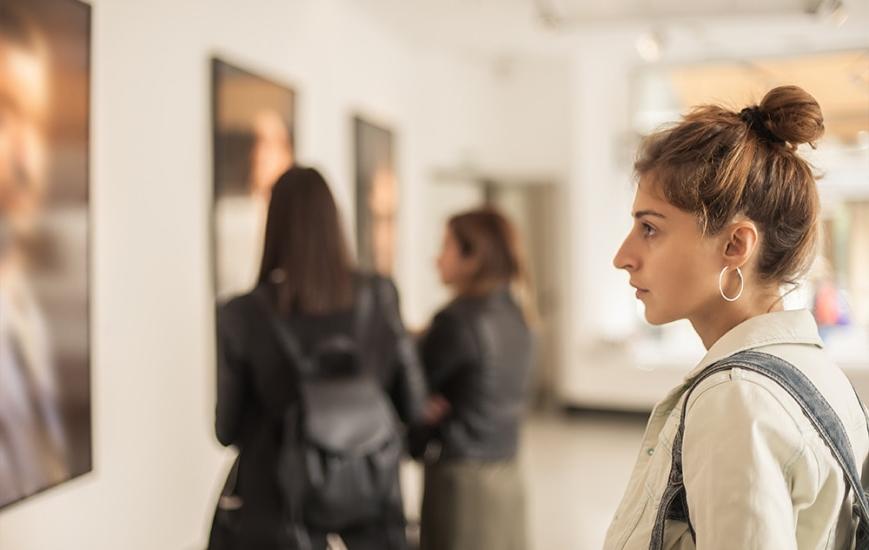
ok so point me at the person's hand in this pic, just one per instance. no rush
(436, 408)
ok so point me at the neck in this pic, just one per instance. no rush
(720, 317)
(472, 289)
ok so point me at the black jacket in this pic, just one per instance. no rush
(478, 354)
(255, 385)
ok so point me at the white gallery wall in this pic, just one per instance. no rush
(564, 117)
(157, 467)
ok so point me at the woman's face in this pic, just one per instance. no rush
(454, 268)
(671, 264)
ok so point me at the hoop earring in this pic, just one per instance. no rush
(721, 285)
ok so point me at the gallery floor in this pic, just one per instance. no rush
(577, 467)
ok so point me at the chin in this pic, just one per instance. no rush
(658, 317)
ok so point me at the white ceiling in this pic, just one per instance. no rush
(585, 11)
(499, 28)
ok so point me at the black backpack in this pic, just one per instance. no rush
(341, 447)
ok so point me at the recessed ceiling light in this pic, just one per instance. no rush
(650, 46)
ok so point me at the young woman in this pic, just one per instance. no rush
(477, 356)
(725, 218)
(310, 283)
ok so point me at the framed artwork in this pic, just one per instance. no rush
(45, 405)
(376, 196)
(253, 131)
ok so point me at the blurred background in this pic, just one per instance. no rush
(413, 110)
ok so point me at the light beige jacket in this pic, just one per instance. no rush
(756, 473)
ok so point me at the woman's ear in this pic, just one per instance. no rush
(471, 264)
(741, 241)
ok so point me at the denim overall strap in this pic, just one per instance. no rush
(862, 406)
(673, 503)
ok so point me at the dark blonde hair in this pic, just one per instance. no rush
(718, 163)
(488, 236)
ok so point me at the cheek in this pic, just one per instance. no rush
(689, 276)
(667, 267)
(6, 148)
(682, 279)
(446, 264)
(33, 157)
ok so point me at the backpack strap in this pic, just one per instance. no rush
(289, 456)
(674, 504)
(364, 307)
(287, 339)
(365, 302)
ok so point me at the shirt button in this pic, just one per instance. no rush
(650, 451)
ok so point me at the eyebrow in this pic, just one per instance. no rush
(641, 213)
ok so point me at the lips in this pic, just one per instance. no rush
(640, 291)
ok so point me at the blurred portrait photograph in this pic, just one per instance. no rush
(376, 196)
(253, 119)
(45, 411)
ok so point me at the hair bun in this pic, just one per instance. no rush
(792, 115)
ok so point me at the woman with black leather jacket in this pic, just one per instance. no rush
(477, 356)
(307, 277)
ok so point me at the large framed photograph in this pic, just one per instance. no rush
(376, 196)
(253, 131)
(45, 410)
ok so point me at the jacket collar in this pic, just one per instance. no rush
(779, 327)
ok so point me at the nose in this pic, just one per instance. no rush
(623, 259)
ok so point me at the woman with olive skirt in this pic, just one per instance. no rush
(477, 356)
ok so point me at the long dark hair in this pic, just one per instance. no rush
(305, 255)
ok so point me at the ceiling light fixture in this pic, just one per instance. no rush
(650, 45)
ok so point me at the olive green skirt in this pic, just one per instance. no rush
(470, 505)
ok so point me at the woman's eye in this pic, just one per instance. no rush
(648, 230)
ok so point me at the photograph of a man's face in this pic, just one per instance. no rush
(253, 121)
(45, 426)
(376, 197)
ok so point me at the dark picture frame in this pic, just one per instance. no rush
(253, 141)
